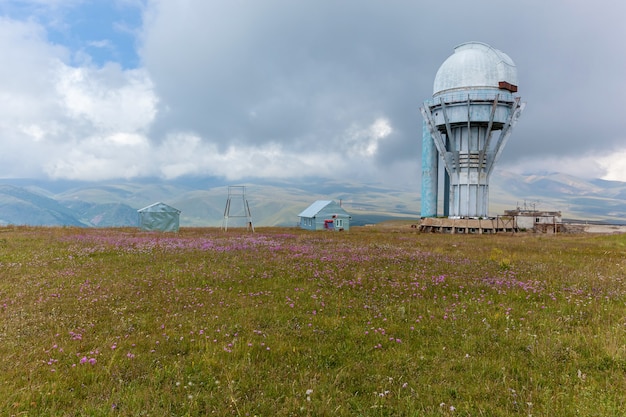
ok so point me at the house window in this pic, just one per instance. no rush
(537, 219)
(339, 222)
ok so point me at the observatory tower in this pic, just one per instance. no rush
(466, 125)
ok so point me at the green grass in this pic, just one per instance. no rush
(282, 322)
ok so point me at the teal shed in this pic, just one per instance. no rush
(159, 217)
(325, 215)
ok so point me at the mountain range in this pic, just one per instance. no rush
(202, 201)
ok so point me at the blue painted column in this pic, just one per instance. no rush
(446, 196)
(430, 173)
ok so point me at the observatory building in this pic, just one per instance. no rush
(466, 126)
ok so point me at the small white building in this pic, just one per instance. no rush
(159, 217)
(325, 215)
(539, 221)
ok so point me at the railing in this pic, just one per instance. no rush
(473, 96)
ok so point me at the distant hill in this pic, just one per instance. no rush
(20, 206)
(278, 202)
(576, 198)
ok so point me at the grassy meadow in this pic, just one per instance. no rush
(372, 322)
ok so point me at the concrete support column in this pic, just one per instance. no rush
(446, 194)
(430, 174)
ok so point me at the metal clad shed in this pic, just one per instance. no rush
(159, 217)
(324, 215)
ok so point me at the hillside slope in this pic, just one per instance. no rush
(277, 203)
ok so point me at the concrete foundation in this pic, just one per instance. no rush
(501, 224)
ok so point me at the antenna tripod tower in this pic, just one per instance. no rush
(238, 192)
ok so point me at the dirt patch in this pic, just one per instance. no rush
(604, 228)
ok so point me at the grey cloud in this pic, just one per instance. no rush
(292, 80)
(300, 74)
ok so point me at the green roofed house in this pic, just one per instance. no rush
(159, 217)
(325, 215)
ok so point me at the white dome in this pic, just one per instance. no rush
(476, 65)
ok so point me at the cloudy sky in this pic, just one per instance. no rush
(107, 89)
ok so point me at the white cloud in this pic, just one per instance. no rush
(119, 155)
(610, 166)
(104, 43)
(65, 121)
(109, 98)
(187, 154)
(615, 166)
(364, 141)
(93, 123)
(237, 89)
